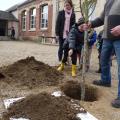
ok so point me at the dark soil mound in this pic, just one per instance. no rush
(1, 76)
(73, 90)
(30, 72)
(42, 107)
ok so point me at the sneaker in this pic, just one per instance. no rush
(101, 83)
(116, 103)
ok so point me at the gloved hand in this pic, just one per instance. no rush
(70, 52)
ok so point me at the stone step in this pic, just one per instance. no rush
(4, 38)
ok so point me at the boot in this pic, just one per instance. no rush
(73, 70)
(61, 67)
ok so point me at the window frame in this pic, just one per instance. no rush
(23, 20)
(32, 19)
(45, 24)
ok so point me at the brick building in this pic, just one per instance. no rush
(13, 10)
(34, 19)
(37, 17)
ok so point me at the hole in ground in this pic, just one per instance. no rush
(73, 90)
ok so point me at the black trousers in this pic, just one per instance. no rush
(73, 56)
(60, 50)
(12, 36)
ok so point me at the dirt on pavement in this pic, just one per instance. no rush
(43, 107)
(30, 72)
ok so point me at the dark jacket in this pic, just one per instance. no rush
(13, 32)
(110, 18)
(59, 29)
(99, 41)
(75, 38)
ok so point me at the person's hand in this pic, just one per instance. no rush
(70, 52)
(87, 26)
(116, 31)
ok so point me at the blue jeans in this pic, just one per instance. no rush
(106, 53)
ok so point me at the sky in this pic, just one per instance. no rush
(5, 4)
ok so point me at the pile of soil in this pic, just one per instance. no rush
(42, 106)
(1, 76)
(73, 90)
(31, 73)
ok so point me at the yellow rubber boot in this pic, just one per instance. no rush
(61, 67)
(73, 70)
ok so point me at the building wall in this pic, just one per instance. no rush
(15, 25)
(55, 12)
(15, 13)
(98, 11)
(54, 7)
(34, 34)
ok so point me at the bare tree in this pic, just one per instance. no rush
(87, 8)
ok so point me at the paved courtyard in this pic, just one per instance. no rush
(11, 51)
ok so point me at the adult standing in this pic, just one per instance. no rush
(110, 18)
(12, 33)
(65, 20)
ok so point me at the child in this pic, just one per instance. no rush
(73, 45)
(99, 48)
(92, 39)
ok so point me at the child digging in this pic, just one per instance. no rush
(73, 45)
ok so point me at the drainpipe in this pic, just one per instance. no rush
(55, 14)
(57, 7)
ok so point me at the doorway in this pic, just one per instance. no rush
(3, 27)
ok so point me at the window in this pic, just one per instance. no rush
(32, 18)
(44, 16)
(24, 14)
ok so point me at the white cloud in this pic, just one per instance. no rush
(5, 4)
